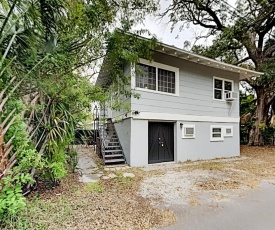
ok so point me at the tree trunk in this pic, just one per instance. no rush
(256, 136)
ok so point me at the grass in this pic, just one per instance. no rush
(107, 204)
(115, 203)
(208, 165)
(93, 187)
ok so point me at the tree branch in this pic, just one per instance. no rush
(241, 61)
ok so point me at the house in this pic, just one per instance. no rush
(188, 109)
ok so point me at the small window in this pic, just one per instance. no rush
(166, 81)
(218, 89)
(188, 131)
(216, 133)
(221, 87)
(228, 131)
(146, 77)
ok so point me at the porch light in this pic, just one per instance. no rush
(181, 125)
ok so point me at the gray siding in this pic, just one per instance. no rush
(195, 91)
(123, 130)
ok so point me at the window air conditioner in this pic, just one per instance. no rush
(231, 96)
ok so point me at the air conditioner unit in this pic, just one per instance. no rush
(231, 96)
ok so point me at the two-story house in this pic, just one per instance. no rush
(188, 109)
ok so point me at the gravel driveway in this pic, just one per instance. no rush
(236, 193)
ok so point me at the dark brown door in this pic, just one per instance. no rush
(161, 142)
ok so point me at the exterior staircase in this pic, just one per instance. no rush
(110, 148)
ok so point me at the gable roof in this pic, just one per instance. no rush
(103, 76)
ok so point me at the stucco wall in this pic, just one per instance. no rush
(185, 149)
(123, 129)
(201, 147)
(139, 142)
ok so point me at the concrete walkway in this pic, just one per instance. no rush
(89, 172)
(255, 210)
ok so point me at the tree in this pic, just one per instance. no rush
(242, 35)
(44, 46)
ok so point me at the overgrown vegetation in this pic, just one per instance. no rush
(49, 53)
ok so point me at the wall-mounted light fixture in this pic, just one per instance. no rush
(136, 112)
(181, 125)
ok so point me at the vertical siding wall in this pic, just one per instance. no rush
(195, 91)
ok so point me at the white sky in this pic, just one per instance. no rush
(162, 29)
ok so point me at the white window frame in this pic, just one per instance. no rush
(223, 84)
(226, 134)
(186, 136)
(157, 66)
(216, 138)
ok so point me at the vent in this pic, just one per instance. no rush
(228, 131)
(189, 131)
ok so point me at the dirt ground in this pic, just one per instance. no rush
(223, 178)
(145, 201)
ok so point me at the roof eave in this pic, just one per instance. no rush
(174, 51)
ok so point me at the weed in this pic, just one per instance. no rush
(209, 165)
(93, 187)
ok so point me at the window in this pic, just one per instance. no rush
(166, 81)
(221, 87)
(228, 131)
(147, 77)
(188, 131)
(158, 77)
(216, 133)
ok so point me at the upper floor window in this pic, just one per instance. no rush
(146, 78)
(221, 87)
(157, 77)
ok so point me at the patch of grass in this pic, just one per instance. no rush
(108, 204)
(17, 221)
(43, 214)
(124, 181)
(93, 187)
(209, 165)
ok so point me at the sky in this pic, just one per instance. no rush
(162, 29)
